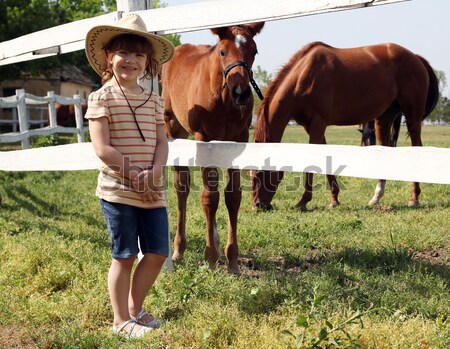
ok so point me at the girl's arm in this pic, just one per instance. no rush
(148, 181)
(161, 152)
(99, 132)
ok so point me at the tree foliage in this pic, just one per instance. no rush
(263, 79)
(441, 112)
(21, 17)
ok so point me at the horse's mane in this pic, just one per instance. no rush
(262, 132)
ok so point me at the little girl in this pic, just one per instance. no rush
(126, 126)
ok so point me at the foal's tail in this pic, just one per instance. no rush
(433, 88)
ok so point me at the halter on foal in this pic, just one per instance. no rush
(322, 85)
(207, 93)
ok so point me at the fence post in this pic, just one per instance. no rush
(23, 117)
(52, 109)
(14, 119)
(79, 118)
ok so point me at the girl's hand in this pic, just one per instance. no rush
(146, 185)
(151, 196)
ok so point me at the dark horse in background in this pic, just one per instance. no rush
(207, 94)
(368, 138)
(322, 85)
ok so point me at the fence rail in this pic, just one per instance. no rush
(22, 100)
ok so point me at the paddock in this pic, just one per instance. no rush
(316, 276)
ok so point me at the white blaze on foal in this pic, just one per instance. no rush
(240, 40)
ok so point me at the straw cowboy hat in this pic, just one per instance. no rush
(99, 36)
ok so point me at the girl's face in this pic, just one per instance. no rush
(127, 66)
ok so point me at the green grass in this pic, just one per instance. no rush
(392, 264)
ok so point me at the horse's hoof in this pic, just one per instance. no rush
(334, 204)
(262, 207)
(373, 203)
(412, 203)
(301, 207)
(234, 269)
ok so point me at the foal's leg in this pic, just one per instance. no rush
(210, 202)
(182, 181)
(233, 196)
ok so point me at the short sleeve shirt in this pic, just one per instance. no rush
(124, 136)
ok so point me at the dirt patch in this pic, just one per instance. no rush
(12, 338)
(314, 258)
(438, 256)
(383, 209)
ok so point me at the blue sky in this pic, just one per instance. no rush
(423, 26)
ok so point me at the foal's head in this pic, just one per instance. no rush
(236, 52)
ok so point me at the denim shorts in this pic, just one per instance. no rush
(128, 224)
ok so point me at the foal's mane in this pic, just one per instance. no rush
(262, 132)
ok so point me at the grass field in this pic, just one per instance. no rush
(348, 277)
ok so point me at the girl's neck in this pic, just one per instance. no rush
(128, 87)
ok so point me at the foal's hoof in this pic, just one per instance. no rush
(177, 257)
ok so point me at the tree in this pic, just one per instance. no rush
(262, 79)
(445, 110)
(21, 17)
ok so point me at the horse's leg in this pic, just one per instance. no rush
(383, 127)
(379, 192)
(233, 196)
(316, 133)
(182, 182)
(414, 129)
(307, 193)
(334, 187)
(210, 202)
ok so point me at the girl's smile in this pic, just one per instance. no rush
(127, 66)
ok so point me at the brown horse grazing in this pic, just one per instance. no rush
(207, 93)
(322, 85)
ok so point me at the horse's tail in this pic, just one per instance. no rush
(433, 88)
(395, 132)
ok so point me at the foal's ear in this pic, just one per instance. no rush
(255, 27)
(220, 32)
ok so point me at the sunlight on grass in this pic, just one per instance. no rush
(391, 264)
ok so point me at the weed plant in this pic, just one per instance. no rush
(349, 277)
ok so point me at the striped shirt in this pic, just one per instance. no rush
(124, 136)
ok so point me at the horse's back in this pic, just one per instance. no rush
(184, 63)
(344, 83)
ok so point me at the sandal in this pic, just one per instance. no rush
(155, 323)
(121, 331)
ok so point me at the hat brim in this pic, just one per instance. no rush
(99, 36)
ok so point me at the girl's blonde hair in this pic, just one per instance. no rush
(132, 43)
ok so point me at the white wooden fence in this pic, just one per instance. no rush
(424, 164)
(21, 100)
(176, 19)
